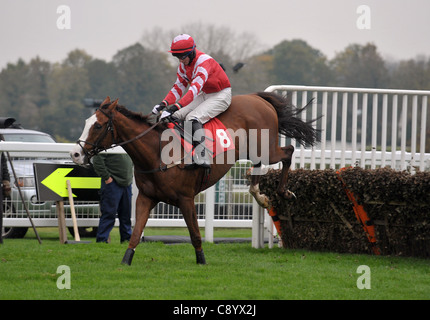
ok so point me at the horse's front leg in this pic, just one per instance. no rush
(143, 206)
(188, 210)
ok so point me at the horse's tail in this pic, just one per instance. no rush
(289, 123)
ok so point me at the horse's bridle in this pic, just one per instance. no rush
(109, 128)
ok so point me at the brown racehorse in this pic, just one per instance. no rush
(178, 185)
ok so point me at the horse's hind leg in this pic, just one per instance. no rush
(286, 163)
(254, 189)
(190, 216)
(283, 154)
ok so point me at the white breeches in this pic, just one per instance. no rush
(205, 106)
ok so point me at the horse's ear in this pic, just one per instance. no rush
(107, 101)
(114, 104)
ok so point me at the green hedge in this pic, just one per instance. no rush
(322, 218)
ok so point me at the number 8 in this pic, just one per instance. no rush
(223, 138)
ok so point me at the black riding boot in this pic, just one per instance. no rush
(201, 156)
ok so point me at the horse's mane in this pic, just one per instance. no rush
(137, 116)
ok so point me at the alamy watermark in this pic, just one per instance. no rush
(252, 144)
(364, 19)
(64, 280)
(363, 281)
(64, 20)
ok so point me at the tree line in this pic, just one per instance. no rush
(49, 96)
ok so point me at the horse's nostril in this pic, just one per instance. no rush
(76, 155)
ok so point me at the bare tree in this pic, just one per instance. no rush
(225, 45)
(212, 39)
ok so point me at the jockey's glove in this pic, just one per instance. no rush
(170, 110)
(173, 108)
(157, 108)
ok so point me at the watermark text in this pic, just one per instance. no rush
(64, 280)
(363, 281)
(363, 21)
(64, 20)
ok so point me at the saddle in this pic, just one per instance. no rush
(217, 137)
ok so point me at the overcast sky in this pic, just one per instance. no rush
(28, 28)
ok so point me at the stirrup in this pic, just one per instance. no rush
(201, 160)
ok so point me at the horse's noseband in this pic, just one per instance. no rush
(96, 145)
(110, 128)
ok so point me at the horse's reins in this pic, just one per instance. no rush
(109, 128)
(97, 149)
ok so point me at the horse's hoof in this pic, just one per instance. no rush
(200, 257)
(290, 195)
(128, 256)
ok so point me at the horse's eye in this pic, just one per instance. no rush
(97, 126)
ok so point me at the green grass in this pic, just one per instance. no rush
(234, 271)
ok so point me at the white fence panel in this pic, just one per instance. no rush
(369, 127)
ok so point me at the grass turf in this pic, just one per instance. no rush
(234, 271)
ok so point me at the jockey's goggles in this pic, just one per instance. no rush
(183, 55)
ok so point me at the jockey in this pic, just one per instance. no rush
(209, 93)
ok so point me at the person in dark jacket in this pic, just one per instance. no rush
(116, 171)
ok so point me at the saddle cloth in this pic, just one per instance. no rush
(218, 138)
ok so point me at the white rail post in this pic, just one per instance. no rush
(257, 225)
(210, 212)
(423, 131)
(394, 125)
